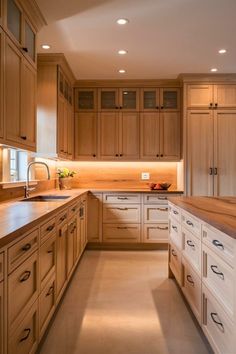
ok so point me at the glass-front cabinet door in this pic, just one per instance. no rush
(108, 99)
(129, 99)
(86, 100)
(170, 99)
(14, 20)
(150, 99)
(29, 40)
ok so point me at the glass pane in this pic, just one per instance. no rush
(108, 99)
(86, 100)
(70, 95)
(14, 19)
(66, 90)
(149, 99)
(30, 41)
(170, 99)
(61, 83)
(129, 99)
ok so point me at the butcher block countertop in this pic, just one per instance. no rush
(220, 212)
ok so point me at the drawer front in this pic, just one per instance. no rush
(175, 262)
(48, 228)
(73, 209)
(155, 199)
(121, 214)
(217, 326)
(156, 233)
(175, 233)
(117, 233)
(192, 249)
(62, 218)
(192, 288)
(23, 282)
(218, 277)
(20, 251)
(47, 260)
(24, 339)
(155, 213)
(122, 198)
(46, 305)
(191, 224)
(1, 266)
(174, 212)
(220, 243)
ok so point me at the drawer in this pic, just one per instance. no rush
(156, 233)
(23, 282)
(122, 198)
(192, 289)
(25, 337)
(175, 263)
(219, 278)
(192, 249)
(220, 243)
(117, 233)
(155, 213)
(1, 266)
(21, 250)
(174, 212)
(46, 305)
(47, 228)
(116, 213)
(175, 233)
(155, 199)
(47, 260)
(191, 224)
(62, 218)
(73, 209)
(217, 326)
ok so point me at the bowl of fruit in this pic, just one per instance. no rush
(165, 185)
(159, 186)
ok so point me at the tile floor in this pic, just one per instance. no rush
(121, 302)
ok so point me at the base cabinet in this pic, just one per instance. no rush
(2, 318)
(61, 267)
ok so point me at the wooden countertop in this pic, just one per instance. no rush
(219, 212)
(136, 190)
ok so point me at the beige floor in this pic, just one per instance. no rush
(123, 303)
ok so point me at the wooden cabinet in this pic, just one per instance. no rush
(71, 235)
(61, 265)
(109, 135)
(95, 217)
(86, 99)
(46, 305)
(83, 223)
(47, 260)
(164, 99)
(150, 135)
(2, 55)
(86, 136)
(2, 318)
(125, 99)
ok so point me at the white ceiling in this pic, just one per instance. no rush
(163, 38)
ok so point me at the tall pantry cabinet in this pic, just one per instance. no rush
(209, 136)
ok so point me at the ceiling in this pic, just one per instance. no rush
(163, 37)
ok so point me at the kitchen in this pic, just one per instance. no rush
(117, 177)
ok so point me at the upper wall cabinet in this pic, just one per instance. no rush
(125, 99)
(166, 99)
(1, 82)
(85, 100)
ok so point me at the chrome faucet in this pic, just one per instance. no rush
(27, 188)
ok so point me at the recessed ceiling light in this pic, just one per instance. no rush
(122, 52)
(122, 71)
(214, 70)
(222, 51)
(45, 46)
(122, 21)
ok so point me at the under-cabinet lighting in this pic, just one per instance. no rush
(122, 21)
(122, 71)
(45, 46)
(122, 52)
(222, 51)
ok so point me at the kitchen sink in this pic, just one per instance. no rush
(45, 198)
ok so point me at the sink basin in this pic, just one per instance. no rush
(46, 198)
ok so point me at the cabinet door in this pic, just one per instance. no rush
(150, 136)
(199, 96)
(170, 99)
(61, 271)
(28, 113)
(109, 135)
(170, 136)
(86, 100)
(224, 153)
(70, 131)
(149, 99)
(72, 229)
(86, 136)
(108, 99)
(129, 135)
(1, 82)
(14, 20)
(199, 149)
(83, 225)
(225, 96)
(29, 41)
(61, 119)
(65, 128)
(1, 318)
(95, 217)
(129, 99)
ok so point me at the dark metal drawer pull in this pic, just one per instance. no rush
(175, 228)
(162, 228)
(122, 208)
(213, 314)
(63, 218)
(50, 291)
(50, 227)
(162, 198)
(25, 276)
(190, 279)
(218, 244)
(190, 243)
(74, 209)
(173, 253)
(50, 251)
(189, 223)
(26, 247)
(175, 212)
(213, 268)
(122, 198)
(28, 330)
(122, 227)
(162, 209)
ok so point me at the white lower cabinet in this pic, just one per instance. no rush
(155, 233)
(121, 233)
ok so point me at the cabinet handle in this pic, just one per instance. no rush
(50, 291)
(28, 330)
(162, 107)
(25, 276)
(162, 198)
(211, 105)
(162, 209)
(117, 107)
(121, 155)
(175, 212)
(160, 228)
(173, 253)
(25, 49)
(216, 105)
(218, 244)
(210, 171)
(50, 251)
(190, 279)
(213, 314)
(50, 227)
(174, 228)
(215, 171)
(157, 107)
(23, 137)
(121, 107)
(117, 155)
(188, 222)
(122, 198)
(63, 218)
(215, 270)
(122, 227)
(94, 155)
(161, 155)
(122, 208)
(157, 155)
(74, 209)
(190, 243)
(26, 247)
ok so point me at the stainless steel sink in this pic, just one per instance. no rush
(45, 198)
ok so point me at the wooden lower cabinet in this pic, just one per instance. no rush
(47, 260)
(70, 245)
(47, 301)
(61, 265)
(2, 318)
(155, 233)
(121, 233)
(94, 217)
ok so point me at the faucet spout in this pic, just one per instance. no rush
(27, 188)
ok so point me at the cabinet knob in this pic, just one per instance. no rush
(157, 155)
(216, 105)
(162, 107)
(117, 155)
(157, 107)
(94, 155)
(117, 107)
(23, 137)
(121, 107)
(25, 49)
(161, 155)
(210, 171)
(211, 104)
(121, 155)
